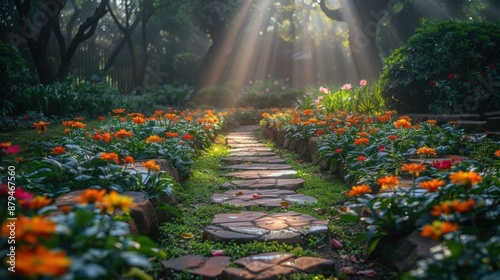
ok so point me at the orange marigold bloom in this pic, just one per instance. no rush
(426, 151)
(154, 139)
(188, 119)
(41, 126)
(67, 131)
(138, 120)
(97, 137)
(402, 123)
(466, 178)
(170, 134)
(118, 111)
(151, 165)
(128, 159)
(362, 158)
(359, 190)
(443, 208)
(340, 130)
(101, 118)
(36, 203)
(438, 229)
(369, 120)
(464, 206)
(109, 157)
(320, 132)
(384, 118)
(187, 137)
(497, 153)
(106, 137)
(362, 134)
(393, 137)
(159, 112)
(432, 185)
(65, 209)
(123, 133)
(40, 261)
(90, 196)
(68, 123)
(308, 112)
(58, 150)
(78, 125)
(388, 182)
(431, 122)
(113, 201)
(413, 169)
(361, 141)
(30, 229)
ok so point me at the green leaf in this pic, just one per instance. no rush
(83, 177)
(169, 208)
(349, 218)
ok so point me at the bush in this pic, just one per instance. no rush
(13, 74)
(446, 67)
(223, 96)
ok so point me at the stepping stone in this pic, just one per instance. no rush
(252, 149)
(258, 166)
(271, 198)
(273, 265)
(257, 145)
(262, 174)
(251, 154)
(243, 142)
(198, 265)
(259, 184)
(242, 227)
(247, 128)
(263, 159)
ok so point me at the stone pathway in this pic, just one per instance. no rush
(261, 178)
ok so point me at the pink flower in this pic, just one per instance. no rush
(217, 253)
(353, 259)
(346, 87)
(267, 90)
(444, 164)
(19, 193)
(324, 90)
(362, 83)
(276, 82)
(451, 76)
(257, 196)
(335, 243)
(432, 83)
(368, 273)
(13, 149)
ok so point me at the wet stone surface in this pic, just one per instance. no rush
(271, 198)
(243, 227)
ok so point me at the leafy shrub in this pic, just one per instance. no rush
(13, 73)
(269, 93)
(223, 96)
(446, 67)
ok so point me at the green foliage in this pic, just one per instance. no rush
(13, 74)
(223, 96)
(269, 92)
(446, 67)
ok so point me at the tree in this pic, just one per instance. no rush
(39, 20)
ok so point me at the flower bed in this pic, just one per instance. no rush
(404, 181)
(80, 203)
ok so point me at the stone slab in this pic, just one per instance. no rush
(287, 227)
(260, 184)
(258, 166)
(251, 154)
(262, 174)
(254, 145)
(251, 149)
(271, 198)
(261, 159)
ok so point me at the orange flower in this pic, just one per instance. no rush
(68, 123)
(359, 190)
(497, 153)
(58, 150)
(36, 203)
(402, 123)
(30, 229)
(362, 158)
(340, 130)
(308, 112)
(67, 131)
(413, 169)
(118, 111)
(432, 185)
(65, 209)
(320, 132)
(123, 133)
(154, 139)
(362, 134)
(40, 261)
(426, 151)
(188, 119)
(151, 165)
(158, 112)
(109, 157)
(128, 159)
(97, 137)
(170, 134)
(90, 196)
(388, 182)
(465, 178)
(438, 229)
(393, 137)
(101, 118)
(41, 126)
(464, 206)
(187, 137)
(384, 118)
(444, 208)
(114, 201)
(78, 125)
(106, 137)
(138, 120)
(431, 122)
(361, 141)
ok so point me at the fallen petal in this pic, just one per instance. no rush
(335, 243)
(217, 253)
(257, 196)
(187, 235)
(284, 204)
(353, 259)
(238, 193)
(348, 270)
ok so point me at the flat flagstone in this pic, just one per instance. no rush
(261, 159)
(260, 184)
(262, 174)
(235, 146)
(251, 154)
(271, 198)
(243, 141)
(252, 149)
(287, 227)
(198, 265)
(258, 166)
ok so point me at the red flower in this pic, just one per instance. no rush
(432, 83)
(187, 137)
(381, 148)
(338, 151)
(491, 66)
(362, 158)
(444, 164)
(13, 149)
(451, 76)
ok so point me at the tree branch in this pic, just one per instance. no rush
(331, 14)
